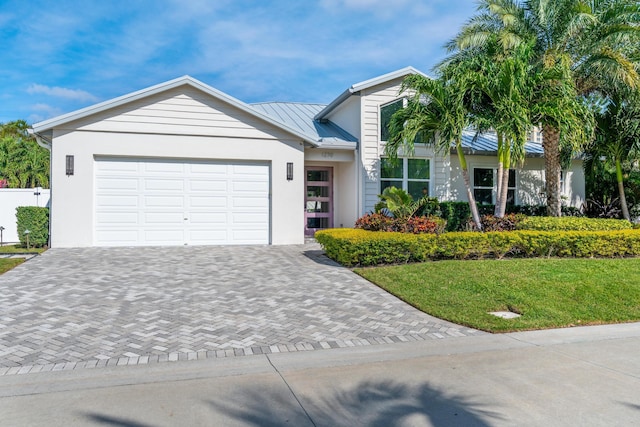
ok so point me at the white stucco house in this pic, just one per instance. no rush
(182, 163)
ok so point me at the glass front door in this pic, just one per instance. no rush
(318, 202)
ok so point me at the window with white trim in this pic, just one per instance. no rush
(411, 174)
(386, 111)
(485, 187)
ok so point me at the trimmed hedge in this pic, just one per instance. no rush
(36, 220)
(546, 223)
(353, 247)
(458, 214)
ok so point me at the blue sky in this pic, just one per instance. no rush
(59, 56)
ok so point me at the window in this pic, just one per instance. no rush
(386, 111)
(412, 175)
(484, 186)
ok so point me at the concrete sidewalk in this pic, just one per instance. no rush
(581, 376)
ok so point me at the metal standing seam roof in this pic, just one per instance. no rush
(487, 143)
(300, 116)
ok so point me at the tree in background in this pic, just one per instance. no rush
(23, 163)
(617, 140)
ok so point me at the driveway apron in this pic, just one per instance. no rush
(92, 307)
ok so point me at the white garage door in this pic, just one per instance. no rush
(150, 202)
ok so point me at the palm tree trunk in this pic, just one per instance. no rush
(467, 182)
(552, 168)
(496, 211)
(504, 179)
(623, 198)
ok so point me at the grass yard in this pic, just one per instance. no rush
(7, 264)
(12, 249)
(548, 293)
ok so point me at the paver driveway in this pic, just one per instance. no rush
(75, 308)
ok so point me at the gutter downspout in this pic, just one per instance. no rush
(48, 146)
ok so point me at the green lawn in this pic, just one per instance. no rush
(12, 249)
(549, 293)
(7, 264)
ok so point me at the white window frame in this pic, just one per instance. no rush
(494, 188)
(405, 174)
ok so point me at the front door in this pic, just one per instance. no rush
(318, 202)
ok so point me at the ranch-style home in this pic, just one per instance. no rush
(182, 163)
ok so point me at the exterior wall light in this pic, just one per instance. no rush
(289, 171)
(70, 165)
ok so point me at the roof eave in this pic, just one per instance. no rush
(366, 84)
(334, 104)
(471, 152)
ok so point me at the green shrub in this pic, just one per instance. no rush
(36, 220)
(359, 247)
(457, 215)
(462, 245)
(544, 223)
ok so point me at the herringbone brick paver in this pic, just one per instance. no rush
(96, 307)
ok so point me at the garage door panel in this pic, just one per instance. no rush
(118, 184)
(209, 168)
(152, 202)
(118, 168)
(251, 202)
(117, 237)
(220, 202)
(209, 185)
(164, 168)
(164, 237)
(118, 218)
(250, 187)
(250, 237)
(164, 201)
(164, 184)
(249, 169)
(248, 218)
(117, 201)
(218, 218)
(208, 236)
(164, 218)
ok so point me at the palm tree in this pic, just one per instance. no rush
(434, 114)
(499, 91)
(618, 138)
(580, 46)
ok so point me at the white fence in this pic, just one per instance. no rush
(10, 199)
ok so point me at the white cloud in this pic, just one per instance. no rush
(62, 92)
(42, 112)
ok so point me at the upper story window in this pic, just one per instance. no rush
(412, 175)
(484, 187)
(386, 111)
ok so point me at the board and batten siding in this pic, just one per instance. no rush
(372, 149)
